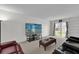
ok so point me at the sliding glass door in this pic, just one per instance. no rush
(60, 29)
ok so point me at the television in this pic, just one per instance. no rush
(31, 28)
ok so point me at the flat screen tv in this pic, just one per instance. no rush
(33, 28)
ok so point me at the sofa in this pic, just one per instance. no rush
(11, 47)
(70, 46)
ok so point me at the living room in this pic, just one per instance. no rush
(55, 21)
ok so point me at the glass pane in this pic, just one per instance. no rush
(60, 29)
(63, 29)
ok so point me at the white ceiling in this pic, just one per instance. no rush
(42, 11)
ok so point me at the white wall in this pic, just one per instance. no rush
(12, 30)
(15, 29)
(74, 26)
(51, 32)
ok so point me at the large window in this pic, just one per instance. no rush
(60, 29)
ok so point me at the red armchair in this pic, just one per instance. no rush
(11, 47)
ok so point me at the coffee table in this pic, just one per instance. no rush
(47, 42)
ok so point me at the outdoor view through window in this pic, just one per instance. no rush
(60, 29)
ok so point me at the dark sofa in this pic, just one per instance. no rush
(11, 47)
(71, 46)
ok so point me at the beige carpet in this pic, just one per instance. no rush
(33, 47)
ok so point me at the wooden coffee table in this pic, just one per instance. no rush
(47, 42)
